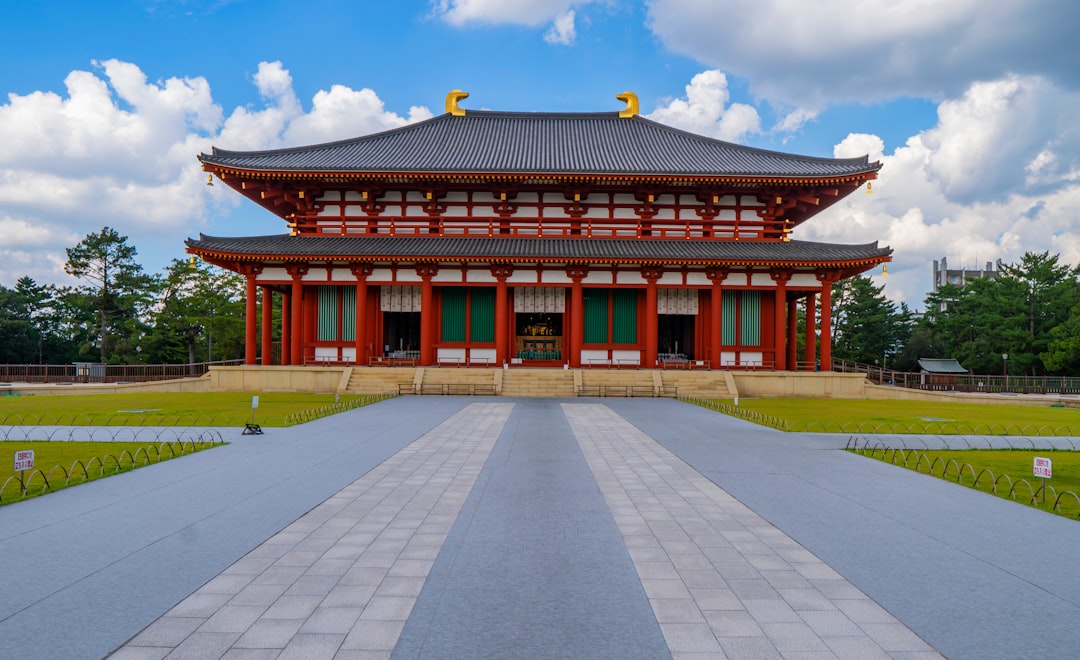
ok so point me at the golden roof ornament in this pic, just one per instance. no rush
(631, 100)
(452, 100)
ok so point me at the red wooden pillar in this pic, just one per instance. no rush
(792, 334)
(577, 273)
(361, 272)
(716, 321)
(827, 280)
(250, 315)
(267, 326)
(428, 316)
(652, 275)
(502, 330)
(781, 278)
(811, 329)
(296, 344)
(286, 329)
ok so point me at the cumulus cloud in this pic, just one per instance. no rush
(808, 55)
(117, 149)
(993, 179)
(558, 14)
(562, 31)
(707, 109)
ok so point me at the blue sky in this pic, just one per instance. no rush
(971, 107)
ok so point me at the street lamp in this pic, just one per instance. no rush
(1005, 368)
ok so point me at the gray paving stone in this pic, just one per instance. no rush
(268, 634)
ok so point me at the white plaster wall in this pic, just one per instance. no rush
(750, 358)
(670, 279)
(735, 279)
(478, 275)
(522, 277)
(272, 274)
(629, 277)
(452, 354)
(762, 279)
(555, 277)
(452, 275)
(805, 280)
(482, 354)
(381, 275)
(591, 356)
(598, 277)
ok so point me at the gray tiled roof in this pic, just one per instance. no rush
(483, 142)
(539, 249)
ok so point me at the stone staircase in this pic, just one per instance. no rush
(538, 383)
(375, 380)
(619, 382)
(542, 382)
(700, 384)
(458, 380)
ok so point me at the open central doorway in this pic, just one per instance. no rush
(539, 336)
(675, 336)
(401, 335)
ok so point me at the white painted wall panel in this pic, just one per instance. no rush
(762, 279)
(448, 275)
(805, 280)
(555, 277)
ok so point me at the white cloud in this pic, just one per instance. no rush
(343, 113)
(515, 12)
(559, 15)
(995, 178)
(562, 31)
(707, 110)
(119, 150)
(808, 54)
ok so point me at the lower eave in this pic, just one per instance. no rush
(343, 249)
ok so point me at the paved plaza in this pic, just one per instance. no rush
(457, 527)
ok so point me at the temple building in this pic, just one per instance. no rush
(535, 238)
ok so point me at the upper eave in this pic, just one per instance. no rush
(286, 248)
(493, 145)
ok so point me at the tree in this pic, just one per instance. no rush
(200, 317)
(867, 326)
(115, 286)
(1062, 353)
(1048, 293)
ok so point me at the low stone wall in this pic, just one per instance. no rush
(201, 384)
(275, 379)
(810, 384)
(907, 394)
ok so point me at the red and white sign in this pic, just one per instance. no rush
(1044, 467)
(24, 460)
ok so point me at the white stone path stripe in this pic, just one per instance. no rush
(721, 580)
(341, 580)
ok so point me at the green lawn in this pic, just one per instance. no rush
(991, 467)
(865, 416)
(59, 464)
(161, 408)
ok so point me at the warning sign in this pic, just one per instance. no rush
(1044, 467)
(24, 460)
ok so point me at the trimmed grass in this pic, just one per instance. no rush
(988, 467)
(865, 416)
(61, 464)
(160, 408)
